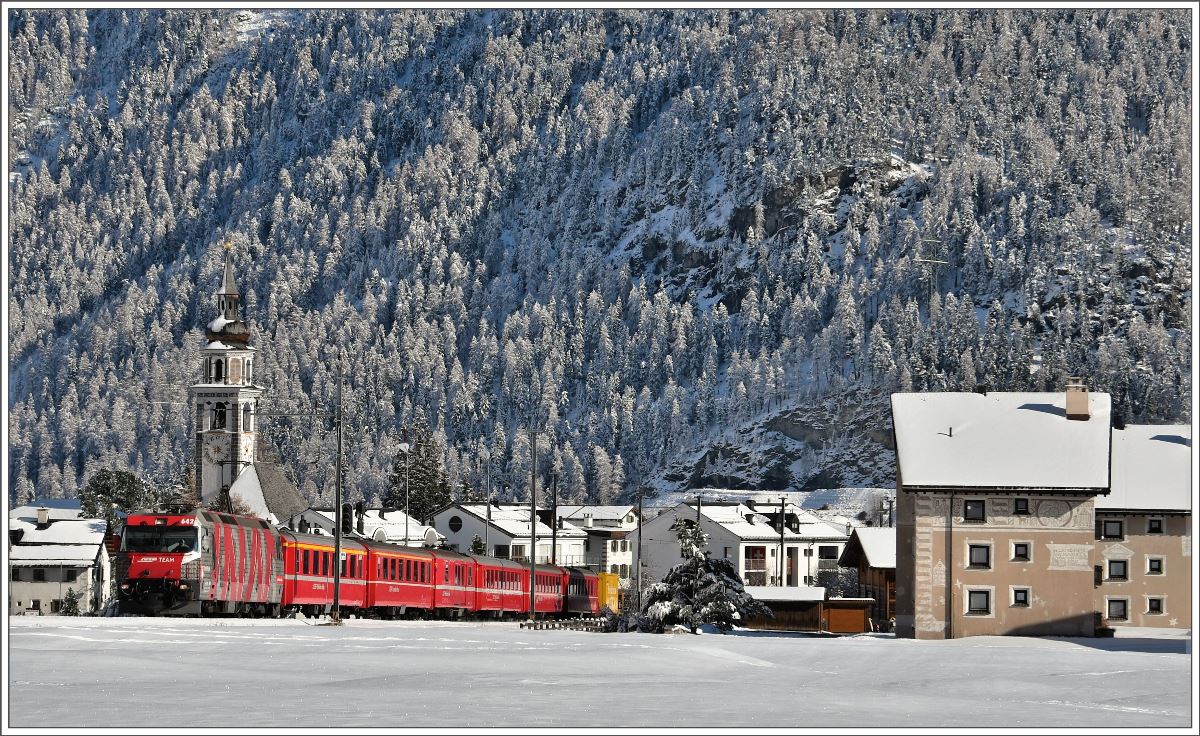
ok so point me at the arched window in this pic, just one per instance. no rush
(218, 421)
(218, 371)
(246, 419)
(249, 371)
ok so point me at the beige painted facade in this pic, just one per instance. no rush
(1050, 593)
(1142, 553)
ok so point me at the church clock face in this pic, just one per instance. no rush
(214, 448)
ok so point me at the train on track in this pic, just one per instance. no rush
(208, 563)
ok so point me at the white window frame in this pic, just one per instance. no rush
(1163, 603)
(1108, 570)
(968, 544)
(990, 590)
(1012, 596)
(1109, 598)
(1012, 550)
(1162, 564)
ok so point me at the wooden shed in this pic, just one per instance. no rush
(807, 609)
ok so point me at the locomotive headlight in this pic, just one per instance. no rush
(124, 586)
(183, 586)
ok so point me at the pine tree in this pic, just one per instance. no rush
(109, 491)
(700, 590)
(70, 603)
(477, 547)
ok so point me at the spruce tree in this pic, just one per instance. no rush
(700, 590)
(109, 491)
(70, 604)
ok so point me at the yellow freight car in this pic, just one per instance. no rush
(610, 587)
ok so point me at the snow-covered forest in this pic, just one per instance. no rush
(657, 236)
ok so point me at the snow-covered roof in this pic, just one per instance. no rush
(57, 508)
(53, 554)
(218, 324)
(217, 345)
(776, 593)
(1151, 468)
(268, 492)
(878, 545)
(62, 531)
(607, 513)
(514, 521)
(746, 523)
(390, 523)
(1000, 440)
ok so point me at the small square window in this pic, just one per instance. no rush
(1113, 530)
(1154, 566)
(1118, 610)
(973, 511)
(979, 601)
(1021, 506)
(1118, 570)
(980, 555)
(1021, 597)
(1020, 552)
(39, 575)
(1154, 605)
(1154, 526)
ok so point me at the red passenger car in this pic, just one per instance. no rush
(401, 579)
(500, 586)
(308, 573)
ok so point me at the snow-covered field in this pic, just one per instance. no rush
(135, 672)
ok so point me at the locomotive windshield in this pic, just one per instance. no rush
(159, 539)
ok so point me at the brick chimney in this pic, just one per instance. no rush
(1077, 399)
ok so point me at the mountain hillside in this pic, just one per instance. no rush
(686, 247)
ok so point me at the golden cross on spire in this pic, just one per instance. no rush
(228, 244)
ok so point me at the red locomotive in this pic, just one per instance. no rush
(211, 563)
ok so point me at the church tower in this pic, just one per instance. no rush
(225, 399)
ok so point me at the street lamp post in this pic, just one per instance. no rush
(404, 447)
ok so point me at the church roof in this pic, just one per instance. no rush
(267, 491)
(227, 284)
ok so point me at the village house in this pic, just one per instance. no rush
(611, 535)
(51, 551)
(1029, 513)
(872, 552)
(748, 538)
(1143, 563)
(995, 509)
(381, 525)
(505, 531)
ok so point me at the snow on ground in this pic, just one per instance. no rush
(187, 673)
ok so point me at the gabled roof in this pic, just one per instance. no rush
(62, 531)
(609, 513)
(745, 523)
(53, 554)
(1151, 468)
(513, 520)
(876, 544)
(266, 489)
(1000, 440)
(57, 508)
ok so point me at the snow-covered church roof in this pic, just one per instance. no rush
(1151, 468)
(268, 492)
(1000, 439)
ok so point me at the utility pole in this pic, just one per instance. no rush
(637, 567)
(554, 521)
(782, 524)
(487, 526)
(532, 521)
(336, 618)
